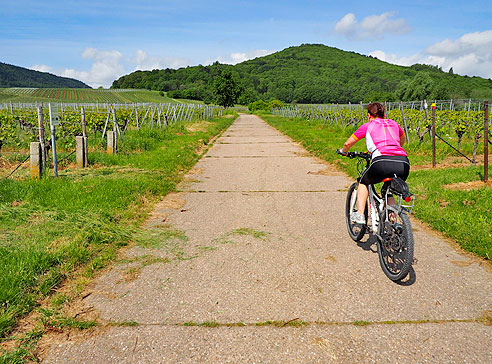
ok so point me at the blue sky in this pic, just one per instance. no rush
(98, 42)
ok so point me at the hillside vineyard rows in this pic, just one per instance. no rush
(71, 95)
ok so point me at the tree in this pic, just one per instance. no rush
(418, 88)
(226, 89)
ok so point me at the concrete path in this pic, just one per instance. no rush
(256, 245)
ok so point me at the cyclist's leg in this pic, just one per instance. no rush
(370, 176)
(362, 194)
(391, 166)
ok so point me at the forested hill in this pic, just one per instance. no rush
(14, 76)
(314, 73)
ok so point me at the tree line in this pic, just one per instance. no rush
(313, 73)
(14, 76)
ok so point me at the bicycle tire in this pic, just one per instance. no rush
(395, 247)
(356, 231)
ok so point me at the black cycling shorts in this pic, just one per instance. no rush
(386, 166)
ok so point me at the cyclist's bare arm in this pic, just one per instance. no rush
(348, 144)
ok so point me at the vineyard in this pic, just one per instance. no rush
(455, 120)
(82, 95)
(19, 126)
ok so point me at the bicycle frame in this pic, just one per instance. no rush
(378, 203)
(373, 211)
(390, 222)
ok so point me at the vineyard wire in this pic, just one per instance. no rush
(16, 168)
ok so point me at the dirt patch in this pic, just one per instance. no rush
(173, 200)
(195, 171)
(450, 162)
(462, 263)
(201, 149)
(328, 171)
(201, 126)
(6, 164)
(7, 167)
(468, 186)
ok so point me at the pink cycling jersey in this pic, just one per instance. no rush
(382, 137)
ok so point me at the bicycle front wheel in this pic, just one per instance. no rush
(396, 244)
(356, 231)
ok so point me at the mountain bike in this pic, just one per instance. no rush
(388, 222)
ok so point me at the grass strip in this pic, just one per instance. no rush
(296, 322)
(53, 226)
(463, 215)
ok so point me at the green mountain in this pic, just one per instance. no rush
(314, 73)
(14, 76)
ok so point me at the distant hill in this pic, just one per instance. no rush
(314, 73)
(14, 76)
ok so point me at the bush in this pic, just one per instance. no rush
(258, 105)
(275, 103)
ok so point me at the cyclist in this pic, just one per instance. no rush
(384, 140)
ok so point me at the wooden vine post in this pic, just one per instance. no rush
(81, 144)
(404, 122)
(54, 121)
(42, 138)
(433, 135)
(486, 143)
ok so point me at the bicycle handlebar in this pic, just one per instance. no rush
(351, 155)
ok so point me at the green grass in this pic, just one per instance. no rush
(462, 215)
(53, 226)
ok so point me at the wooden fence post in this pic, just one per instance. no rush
(41, 138)
(486, 142)
(404, 122)
(84, 134)
(54, 120)
(433, 135)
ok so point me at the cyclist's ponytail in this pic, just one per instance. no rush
(376, 110)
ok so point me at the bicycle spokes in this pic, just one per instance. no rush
(396, 244)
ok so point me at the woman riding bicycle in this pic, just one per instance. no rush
(384, 139)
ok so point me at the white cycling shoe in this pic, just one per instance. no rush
(357, 218)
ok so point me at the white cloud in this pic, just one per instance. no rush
(394, 59)
(479, 43)
(145, 62)
(347, 25)
(42, 68)
(106, 67)
(235, 58)
(372, 26)
(469, 55)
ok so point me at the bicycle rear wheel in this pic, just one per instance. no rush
(356, 231)
(396, 244)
